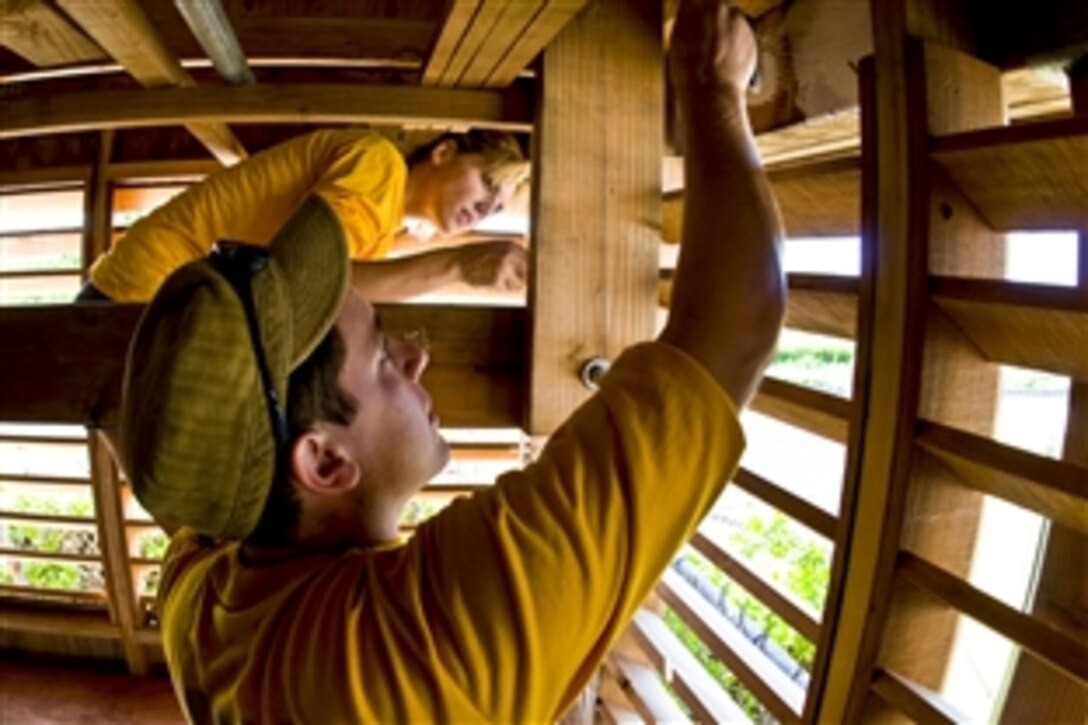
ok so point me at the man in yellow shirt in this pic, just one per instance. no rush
(268, 414)
(452, 183)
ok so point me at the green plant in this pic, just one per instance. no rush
(153, 545)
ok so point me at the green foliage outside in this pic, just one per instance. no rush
(772, 545)
(419, 510)
(153, 545)
(817, 362)
(42, 537)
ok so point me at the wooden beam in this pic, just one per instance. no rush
(817, 412)
(212, 29)
(509, 26)
(821, 304)
(817, 200)
(386, 105)
(72, 373)
(1053, 488)
(597, 163)
(1028, 176)
(36, 31)
(919, 703)
(796, 508)
(709, 541)
(782, 697)
(124, 31)
(1034, 326)
(459, 16)
(1063, 652)
(545, 25)
(106, 487)
(642, 685)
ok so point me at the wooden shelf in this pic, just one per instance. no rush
(708, 701)
(1034, 326)
(1060, 650)
(1056, 489)
(1030, 176)
(811, 410)
(782, 697)
(793, 611)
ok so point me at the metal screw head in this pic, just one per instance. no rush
(593, 371)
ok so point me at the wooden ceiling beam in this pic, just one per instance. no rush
(489, 43)
(341, 103)
(124, 31)
(37, 32)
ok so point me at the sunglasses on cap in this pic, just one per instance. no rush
(239, 263)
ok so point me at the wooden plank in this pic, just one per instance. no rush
(313, 103)
(1033, 326)
(708, 541)
(97, 206)
(73, 373)
(919, 703)
(782, 697)
(124, 31)
(459, 16)
(796, 508)
(14, 553)
(546, 25)
(48, 519)
(41, 179)
(161, 171)
(816, 200)
(597, 165)
(474, 38)
(509, 26)
(1029, 176)
(645, 690)
(811, 410)
(1051, 645)
(1055, 489)
(821, 304)
(708, 701)
(36, 31)
(108, 508)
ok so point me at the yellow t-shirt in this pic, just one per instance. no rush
(498, 609)
(360, 174)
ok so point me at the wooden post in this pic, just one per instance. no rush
(918, 365)
(596, 199)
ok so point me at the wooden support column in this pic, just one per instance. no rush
(919, 365)
(113, 543)
(1037, 693)
(98, 204)
(596, 199)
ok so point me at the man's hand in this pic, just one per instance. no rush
(501, 265)
(712, 51)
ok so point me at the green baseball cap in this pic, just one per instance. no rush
(199, 444)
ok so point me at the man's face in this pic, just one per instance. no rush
(460, 194)
(394, 436)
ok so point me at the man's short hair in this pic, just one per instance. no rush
(314, 395)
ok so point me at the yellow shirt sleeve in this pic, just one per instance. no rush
(533, 581)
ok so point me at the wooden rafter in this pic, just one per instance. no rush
(213, 31)
(122, 29)
(489, 42)
(203, 106)
(36, 31)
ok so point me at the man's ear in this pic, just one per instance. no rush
(443, 152)
(321, 465)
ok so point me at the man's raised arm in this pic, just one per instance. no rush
(728, 298)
